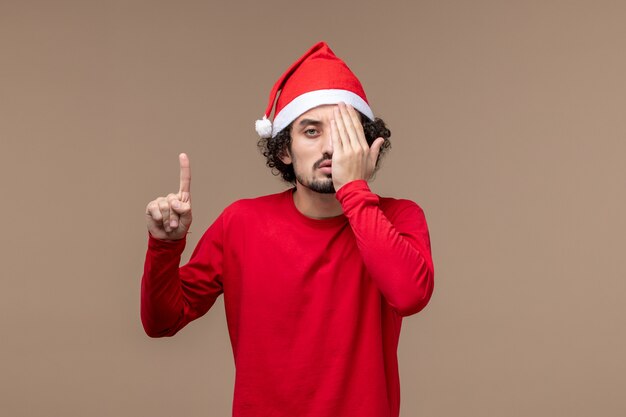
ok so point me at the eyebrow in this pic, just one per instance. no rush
(305, 122)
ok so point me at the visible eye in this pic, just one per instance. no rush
(311, 132)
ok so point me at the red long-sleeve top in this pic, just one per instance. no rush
(313, 307)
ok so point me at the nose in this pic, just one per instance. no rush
(327, 144)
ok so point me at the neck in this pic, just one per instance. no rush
(316, 205)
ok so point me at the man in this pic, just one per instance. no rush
(316, 279)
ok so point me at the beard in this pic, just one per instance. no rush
(322, 186)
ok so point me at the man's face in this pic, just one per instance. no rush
(311, 149)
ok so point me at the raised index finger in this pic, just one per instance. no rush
(185, 178)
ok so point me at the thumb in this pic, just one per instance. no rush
(181, 208)
(375, 150)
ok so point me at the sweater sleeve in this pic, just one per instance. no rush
(171, 296)
(395, 251)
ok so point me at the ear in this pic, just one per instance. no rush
(285, 157)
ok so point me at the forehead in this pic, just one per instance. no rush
(321, 113)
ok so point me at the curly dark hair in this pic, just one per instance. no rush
(274, 148)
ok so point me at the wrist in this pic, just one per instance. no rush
(342, 183)
(346, 187)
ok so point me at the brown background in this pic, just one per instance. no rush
(508, 129)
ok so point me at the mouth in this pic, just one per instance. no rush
(326, 170)
(325, 164)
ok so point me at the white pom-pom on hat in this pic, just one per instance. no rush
(264, 127)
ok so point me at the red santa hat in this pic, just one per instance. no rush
(318, 77)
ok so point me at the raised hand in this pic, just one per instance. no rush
(353, 159)
(169, 217)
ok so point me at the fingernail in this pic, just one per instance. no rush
(173, 223)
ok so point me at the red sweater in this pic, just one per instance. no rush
(314, 307)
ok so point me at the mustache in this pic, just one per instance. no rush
(325, 158)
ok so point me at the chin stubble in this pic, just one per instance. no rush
(319, 186)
